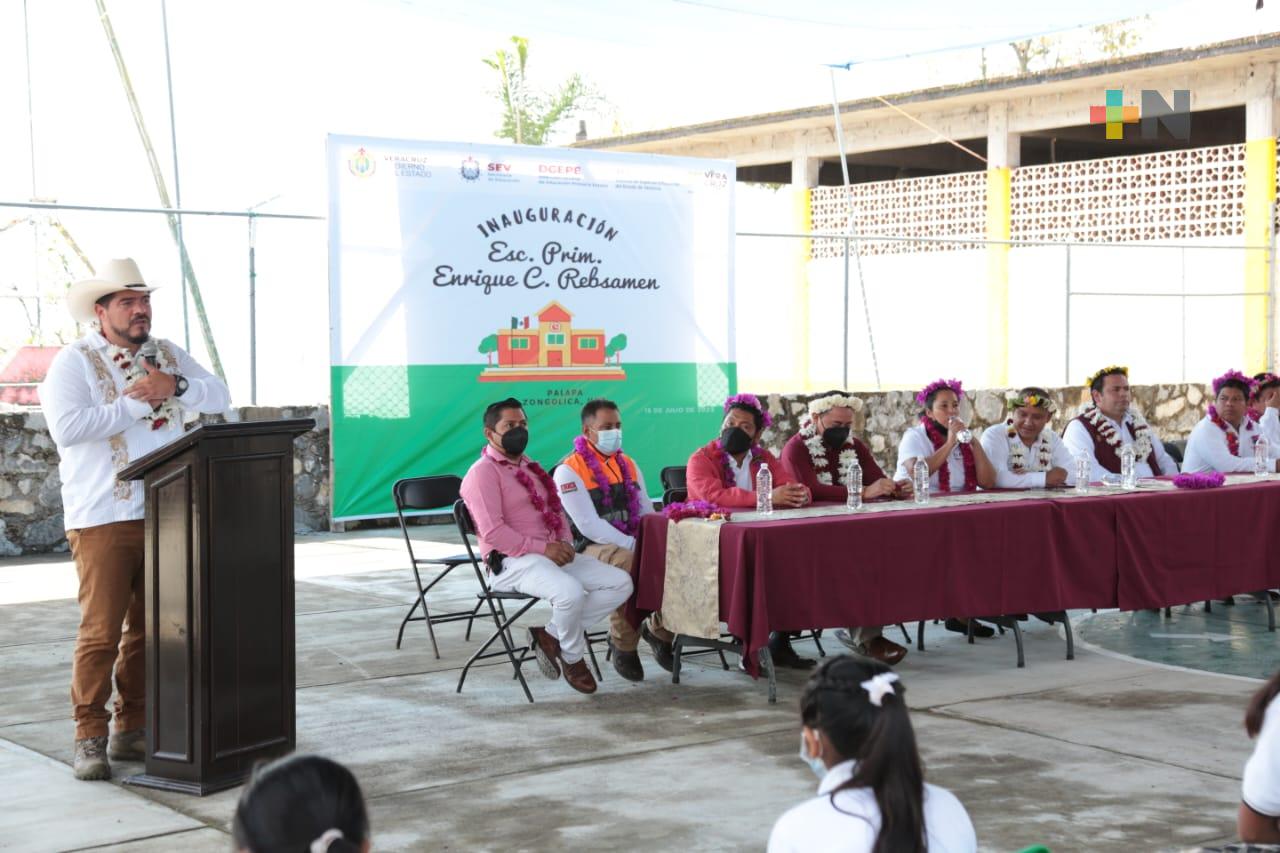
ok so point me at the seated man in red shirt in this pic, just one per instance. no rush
(819, 455)
(724, 473)
(526, 542)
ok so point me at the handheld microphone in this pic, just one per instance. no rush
(150, 352)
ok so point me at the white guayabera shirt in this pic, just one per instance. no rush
(99, 430)
(996, 443)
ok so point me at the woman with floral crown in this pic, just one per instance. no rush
(1223, 440)
(1109, 423)
(1024, 451)
(819, 455)
(956, 462)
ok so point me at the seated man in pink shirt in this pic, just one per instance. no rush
(526, 542)
(724, 472)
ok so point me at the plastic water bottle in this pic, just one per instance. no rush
(1261, 457)
(1084, 470)
(764, 491)
(1128, 468)
(921, 484)
(853, 481)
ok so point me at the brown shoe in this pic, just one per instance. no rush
(128, 746)
(627, 664)
(579, 676)
(884, 650)
(546, 649)
(90, 763)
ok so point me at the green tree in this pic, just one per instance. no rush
(488, 347)
(615, 346)
(528, 116)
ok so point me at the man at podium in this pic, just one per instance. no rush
(109, 398)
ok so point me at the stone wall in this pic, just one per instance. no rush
(881, 419)
(30, 489)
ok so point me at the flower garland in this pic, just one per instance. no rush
(937, 438)
(1233, 439)
(751, 401)
(1199, 481)
(133, 370)
(694, 509)
(1141, 430)
(1236, 376)
(953, 385)
(629, 486)
(1106, 371)
(818, 452)
(550, 508)
(1018, 462)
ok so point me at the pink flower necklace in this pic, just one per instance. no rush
(550, 507)
(1233, 441)
(937, 438)
(629, 486)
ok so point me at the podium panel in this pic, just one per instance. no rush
(219, 594)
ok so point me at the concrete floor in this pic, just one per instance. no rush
(1099, 753)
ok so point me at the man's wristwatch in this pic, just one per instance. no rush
(180, 384)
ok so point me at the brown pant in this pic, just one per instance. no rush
(109, 561)
(621, 634)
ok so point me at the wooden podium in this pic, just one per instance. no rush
(219, 587)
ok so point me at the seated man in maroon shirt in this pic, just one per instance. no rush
(819, 455)
(724, 473)
(526, 542)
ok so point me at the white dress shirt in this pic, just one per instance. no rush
(579, 506)
(1270, 426)
(100, 431)
(997, 443)
(1207, 449)
(1078, 440)
(1260, 788)
(742, 472)
(852, 822)
(915, 444)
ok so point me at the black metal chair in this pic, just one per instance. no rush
(674, 487)
(1176, 449)
(425, 493)
(516, 654)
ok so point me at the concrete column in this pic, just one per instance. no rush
(1003, 155)
(804, 171)
(1260, 331)
(804, 177)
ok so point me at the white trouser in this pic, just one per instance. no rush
(580, 594)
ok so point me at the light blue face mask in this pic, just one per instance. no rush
(609, 441)
(817, 765)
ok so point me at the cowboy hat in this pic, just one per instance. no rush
(112, 277)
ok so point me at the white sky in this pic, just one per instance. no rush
(259, 83)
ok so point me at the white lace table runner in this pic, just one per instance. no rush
(691, 591)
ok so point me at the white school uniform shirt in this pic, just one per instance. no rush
(996, 443)
(851, 824)
(1207, 449)
(1260, 788)
(1270, 426)
(100, 431)
(916, 444)
(581, 509)
(1078, 440)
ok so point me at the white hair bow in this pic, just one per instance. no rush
(879, 686)
(321, 844)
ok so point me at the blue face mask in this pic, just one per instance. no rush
(817, 765)
(609, 441)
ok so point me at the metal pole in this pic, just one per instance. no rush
(253, 316)
(31, 140)
(844, 386)
(1066, 358)
(177, 183)
(1271, 297)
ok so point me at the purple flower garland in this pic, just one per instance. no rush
(693, 509)
(629, 486)
(550, 508)
(1212, 480)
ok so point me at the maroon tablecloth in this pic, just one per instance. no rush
(1130, 550)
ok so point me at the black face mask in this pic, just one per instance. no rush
(735, 440)
(515, 440)
(835, 437)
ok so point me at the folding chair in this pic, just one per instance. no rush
(419, 493)
(516, 654)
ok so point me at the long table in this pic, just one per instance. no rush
(1143, 549)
